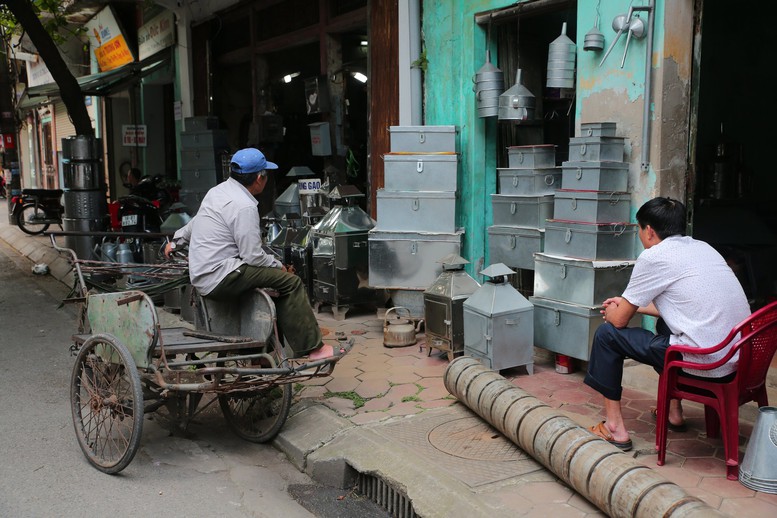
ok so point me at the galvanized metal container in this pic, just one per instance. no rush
(81, 148)
(201, 158)
(499, 323)
(522, 211)
(603, 241)
(422, 139)
(530, 182)
(566, 328)
(597, 129)
(579, 281)
(596, 149)
(204, 139)
(192, 199)
(420, 172)
(407, 260)
(532, 157)
(416, 211)
(489, 85)
(444, 306)
(591, 206)
(517, 104)
(561, 61)
(288, 201)
(514, 246)
(82, 245)
(197, 179)
(595, 176)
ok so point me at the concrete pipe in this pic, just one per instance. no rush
(616, 483)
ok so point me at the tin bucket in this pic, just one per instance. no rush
(758, 470)
(398, 331)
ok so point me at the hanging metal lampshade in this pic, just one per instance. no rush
(489, 84)
(561, 61)
(517, 103)
(594, 39)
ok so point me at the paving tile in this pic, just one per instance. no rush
(748, 507)
(555, 510)
(725, 488)
(545, 492)
(342, 385)
(705, 466)
(705, 496)
(690, 448)
(402, 378)
(509, 498)
(584, 505)
(372, 388)
(402, 360)
(682, 477)
(433, 393)
(368, 417)
(771, 498)
(437, 403)
(403, 409)
(571, 396)
(313, 391)
(376, 404)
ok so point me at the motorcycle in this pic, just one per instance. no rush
(37, 209)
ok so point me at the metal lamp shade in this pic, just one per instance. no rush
(517, 103)
(489, 84)
(561, 61)
(758, 470)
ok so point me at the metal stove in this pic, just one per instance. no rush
(444, 306)
(340, 253)
(282, 242)
(499, 323)
(302, 248)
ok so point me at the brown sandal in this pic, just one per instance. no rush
(601, 431)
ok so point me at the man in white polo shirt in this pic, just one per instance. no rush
(689, 286)
(226, 256)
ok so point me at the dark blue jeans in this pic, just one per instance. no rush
(611, 346)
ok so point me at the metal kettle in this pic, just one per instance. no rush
(398, 331)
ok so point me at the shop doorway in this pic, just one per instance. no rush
(732, 188)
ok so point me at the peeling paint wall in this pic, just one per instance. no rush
(455, 49)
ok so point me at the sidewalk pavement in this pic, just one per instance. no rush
(385, 415)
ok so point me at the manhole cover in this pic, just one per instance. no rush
(471, 438)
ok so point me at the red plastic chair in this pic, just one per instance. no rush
(756, 345)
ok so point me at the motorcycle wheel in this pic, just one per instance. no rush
(31, 219)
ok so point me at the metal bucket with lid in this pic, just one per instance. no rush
(517, 103)
(489, 85)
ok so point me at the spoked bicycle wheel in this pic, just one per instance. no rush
(259, 415)
(106, 399)
(32, 219)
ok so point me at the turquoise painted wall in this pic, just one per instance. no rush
(455, 49)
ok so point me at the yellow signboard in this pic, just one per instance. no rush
(113, 54)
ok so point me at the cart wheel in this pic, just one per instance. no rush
(30, 219)
(106, 399)
(256, 416)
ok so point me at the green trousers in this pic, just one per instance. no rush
(296, 320)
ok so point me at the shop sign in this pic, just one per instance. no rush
(309, 186)
(156, 35)
(9, 141)
(133, 135)
(107, 40)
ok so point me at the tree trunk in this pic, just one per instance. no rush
(69, 89)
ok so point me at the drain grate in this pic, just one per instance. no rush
(395, 502)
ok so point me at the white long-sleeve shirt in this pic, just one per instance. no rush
(225, 233)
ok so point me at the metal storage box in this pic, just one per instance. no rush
(423, 139)
(514, 246)
(532, 182)
(192, 199)
(522, 211)
(82, 175)
(596, 149)
(590, 240)
(407, 260)
(417, 211)
(499, 324)
(201, 158)
(597, 129)
(203, 139)
(85, 204)
(200, 179)
(532, 157)
(320, 140)
(595, 176)
(591, 206)
(567, 328)
(413, 172)
(201, 123)
(579, 281)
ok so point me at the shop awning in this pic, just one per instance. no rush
(103, 83)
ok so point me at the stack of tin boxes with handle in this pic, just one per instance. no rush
(416, 213)
(589, 244)
(524, 202)
(202, 147)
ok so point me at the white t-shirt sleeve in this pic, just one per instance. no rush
(649, 279)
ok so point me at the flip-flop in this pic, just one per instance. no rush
(601, 431)
(680, 428)
(325, 366)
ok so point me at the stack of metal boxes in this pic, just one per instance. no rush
(589, 244)
(524, 202)
(416, 212)
(203, 150)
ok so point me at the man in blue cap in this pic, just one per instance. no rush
(226, 256)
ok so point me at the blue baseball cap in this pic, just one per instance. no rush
(250, 160)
